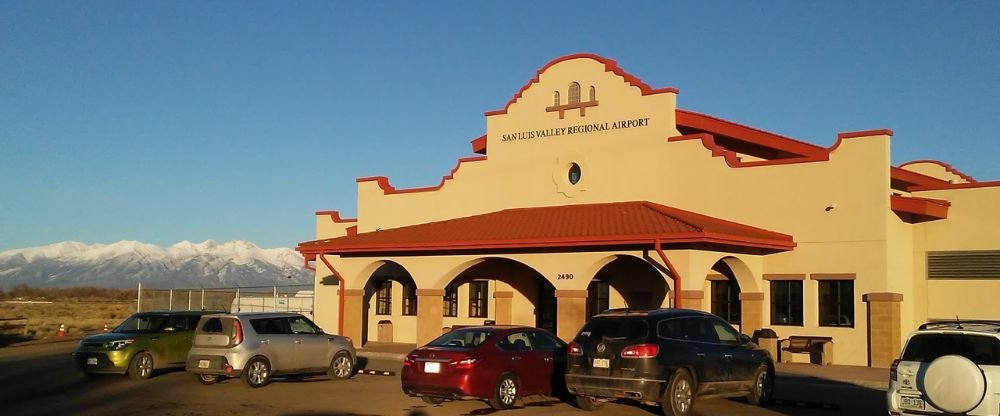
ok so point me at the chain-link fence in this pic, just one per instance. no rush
(290, 298)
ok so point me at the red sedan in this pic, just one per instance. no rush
(498, 364)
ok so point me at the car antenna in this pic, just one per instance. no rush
(958, 322)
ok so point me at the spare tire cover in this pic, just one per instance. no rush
(954, 384)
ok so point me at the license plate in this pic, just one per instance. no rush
(432, 367)
(602, 363)
(911, 402)
(92, 361)
(203, 363)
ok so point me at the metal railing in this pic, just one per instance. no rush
(288, 298)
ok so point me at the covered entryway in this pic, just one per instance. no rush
(501, 291)
(389, 307)
(626, 282)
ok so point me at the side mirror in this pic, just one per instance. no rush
(744, 339)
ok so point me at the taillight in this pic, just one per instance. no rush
(237, 332)
(574, 349)
(640, 351)
(892, 370)
(407, 361)
(465, 364)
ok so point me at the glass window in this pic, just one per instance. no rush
(410, 299)
(786, 302)
(574, 93)
(593, 93)
(301, 325)
(142, 323)
(212, 326)
(451, 300)
(574, 173)
(726, 334)
(383, 298)
(615, 328)
(478, 301)
(555, 100)
(597, 297)
(726, 300)
(982, 350)
(836, 303)
(461, 338)
(544, 342)
(270, 326)
(518, 341)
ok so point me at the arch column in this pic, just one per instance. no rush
(751, 312)
(353, 306)
(571, 306)
(430, 307)
(884, 322)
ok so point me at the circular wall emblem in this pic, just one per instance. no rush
(601, 347)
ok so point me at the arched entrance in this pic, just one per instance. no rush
(626, 282)
(389, 307)
(724, 292)
(501, 291)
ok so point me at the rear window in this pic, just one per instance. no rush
(980, 349)
(615, 328)
(462, 339)
(215, 325)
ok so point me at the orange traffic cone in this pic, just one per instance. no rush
(62, 330)
(106, 329)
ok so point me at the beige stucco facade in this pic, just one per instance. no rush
(853, 217)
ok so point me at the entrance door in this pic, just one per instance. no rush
(545, 315)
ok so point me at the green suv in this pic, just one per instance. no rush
(146, 341)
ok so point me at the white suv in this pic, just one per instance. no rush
(948, 368)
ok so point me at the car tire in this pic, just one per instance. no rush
(208, 379)
(341, 368)
(432, 400)
(678, 397)
(505, 392)
(762, 387)
(257, 372)
(141, 366)
(588, 403)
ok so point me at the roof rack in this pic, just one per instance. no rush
(958, 324)
(625, 310)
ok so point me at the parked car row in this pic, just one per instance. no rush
(217, 345)
(666, 356)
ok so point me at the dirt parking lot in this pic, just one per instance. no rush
(41, 380)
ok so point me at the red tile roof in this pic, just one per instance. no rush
(619, 223)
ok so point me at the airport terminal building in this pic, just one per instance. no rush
(591, 190)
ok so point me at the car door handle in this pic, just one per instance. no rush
(515, 358)
(700, 355)
(547, 358)
(728, 356)
(154, 339)
(298, 341)
(265, 341)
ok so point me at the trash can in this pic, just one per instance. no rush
(385, 331)
(767, 339)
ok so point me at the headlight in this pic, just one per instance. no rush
(117, 345)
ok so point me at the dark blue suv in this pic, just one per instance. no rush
(669, 356)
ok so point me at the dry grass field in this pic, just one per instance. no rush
(80, 317)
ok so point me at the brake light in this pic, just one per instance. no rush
(237, 332)
(574, 349)
(892, 369)
(407, 361)
(465, 364)
(640, 351)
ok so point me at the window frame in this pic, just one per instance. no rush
(383, 298)
(732, 302)
(598, 303)
(450, 303)
(410, 299)
(479, 305)
(838, 303)
(788, 305)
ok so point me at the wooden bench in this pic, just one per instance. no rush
(16, 327)
(820, 349)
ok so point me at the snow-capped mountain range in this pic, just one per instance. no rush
(125, 264)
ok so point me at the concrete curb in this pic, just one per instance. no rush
(381, 355)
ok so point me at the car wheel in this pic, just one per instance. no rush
(505, 392)
(432, 400)
(588, 403)
(257, 373)
(341, 368)
(762, 389)
(208, 379)
(141, 366)
(678, 398)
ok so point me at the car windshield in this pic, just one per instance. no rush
(139, 324)
(462, 338)
(980, 349)
(614, 328)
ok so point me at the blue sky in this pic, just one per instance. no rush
(192, 120)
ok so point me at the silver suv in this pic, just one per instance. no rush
(948, 368)
(256, 346)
